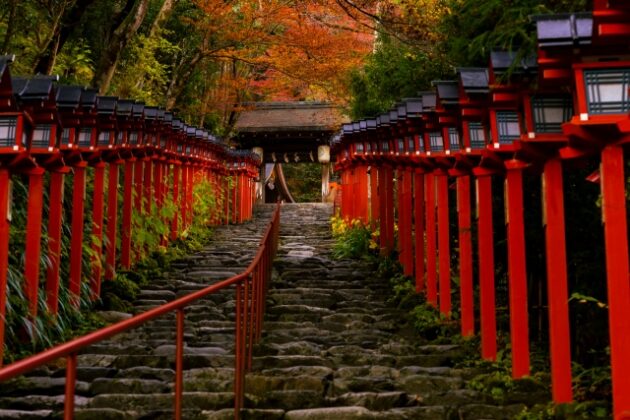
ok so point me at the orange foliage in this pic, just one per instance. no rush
(281, 49)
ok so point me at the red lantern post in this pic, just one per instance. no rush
(398, 126)
(77, 129)
(12, 149)
(37, 97)
(473, 95)
(602, 123)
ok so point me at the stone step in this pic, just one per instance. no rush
(146, 403)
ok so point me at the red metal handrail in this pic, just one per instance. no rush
(251, 286)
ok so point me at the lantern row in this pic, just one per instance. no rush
(570, 101)
(46, 127)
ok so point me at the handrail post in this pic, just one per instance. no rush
(253, 279)
(246, 324)
(238, 364)
(179, 364)
(71, 379)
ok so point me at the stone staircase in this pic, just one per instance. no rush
(332, 348)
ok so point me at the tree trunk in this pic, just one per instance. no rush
(120, 37)
(162, 16)
(69, 21)
(179, 78)
(10, 27)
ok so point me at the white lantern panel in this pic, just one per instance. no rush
(7, 131)
(607, 91)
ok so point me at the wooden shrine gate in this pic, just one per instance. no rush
(289, 132)
(51, 131)
(571, 102)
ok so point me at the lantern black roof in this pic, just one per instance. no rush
(564, 29)
(160, 114)
(124, 107)
(68, 97)
(38, 88)
(168, 117)
(502, 61)
(88, 97)
(191, 131)
(150, 113)
(383, 119)
(429, 100)
(393, 115)
(371, 123)
(106, 105)
(363, 125)
(138, 110)
(347, 128)
(402, 110)
(178, 124)
(413, 107)
(200, 133)
(447, 91)
(356, 127)
(474, 79)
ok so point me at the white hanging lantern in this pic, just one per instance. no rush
(323, 153)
